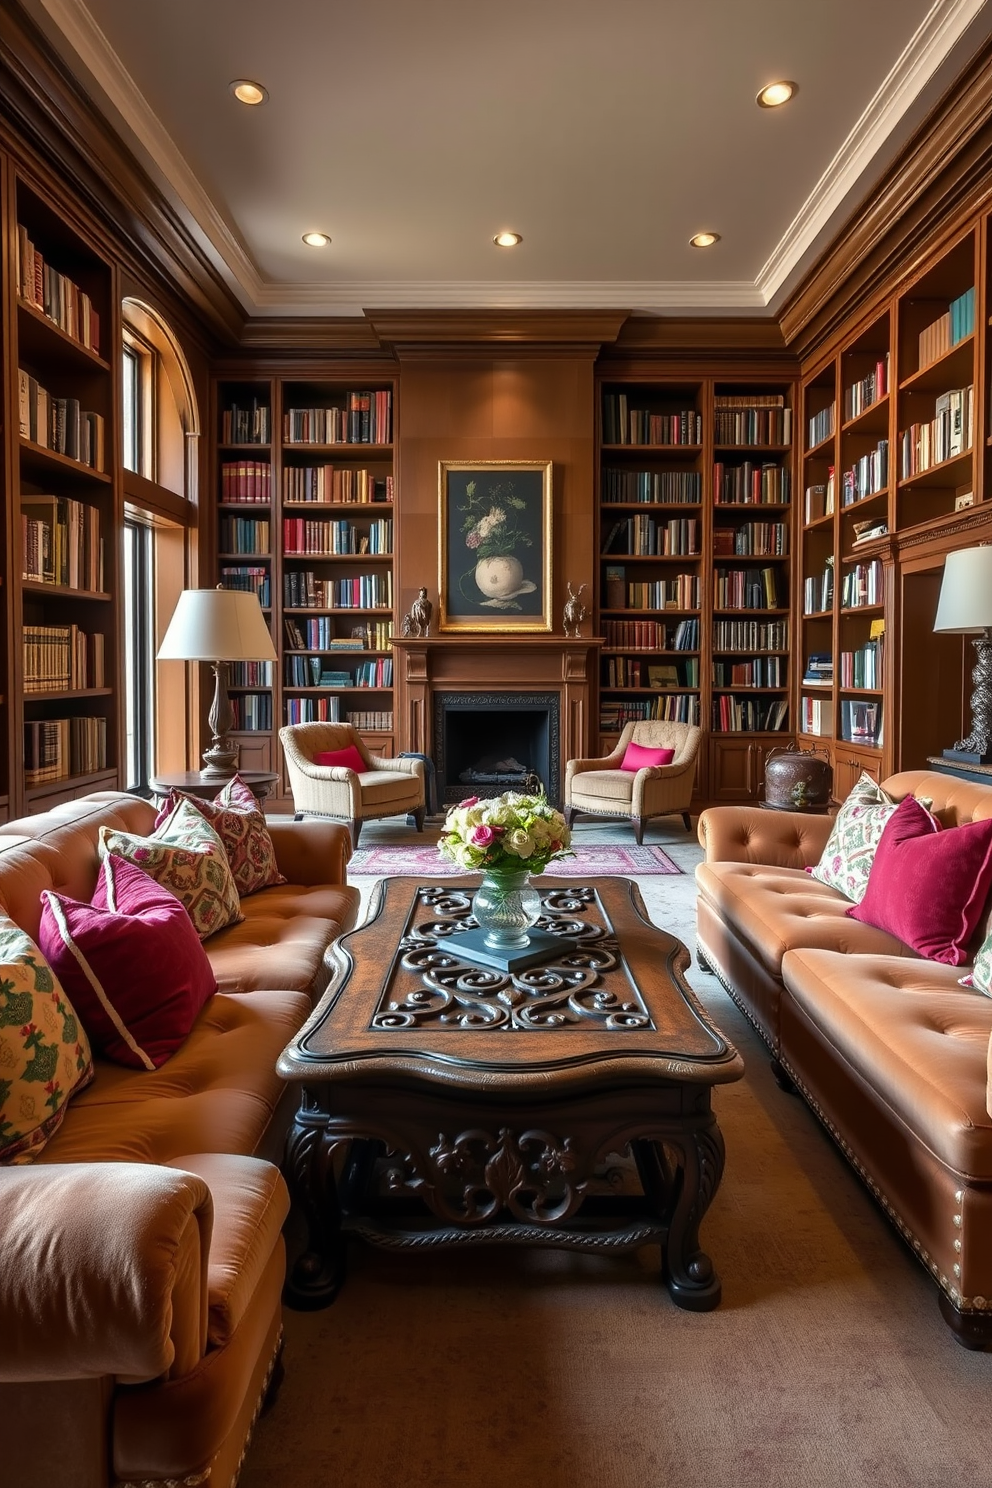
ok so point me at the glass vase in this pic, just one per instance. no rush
(505, 906)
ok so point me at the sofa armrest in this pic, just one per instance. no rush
(778, 839)
(311, 852)
(104, 1271)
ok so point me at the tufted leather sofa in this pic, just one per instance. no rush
(893, 1055)
(141, 1254)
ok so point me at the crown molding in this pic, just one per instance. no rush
(356, 296)
(442, 329)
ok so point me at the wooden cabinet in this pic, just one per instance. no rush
(850, 764)
(737, 766)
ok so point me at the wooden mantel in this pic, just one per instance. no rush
(490, 663)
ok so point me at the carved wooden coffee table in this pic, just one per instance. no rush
(444, 1104)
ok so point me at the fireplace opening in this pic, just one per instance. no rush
(487, 743)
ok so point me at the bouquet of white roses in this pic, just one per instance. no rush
(511, 833)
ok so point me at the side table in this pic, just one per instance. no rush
(259, 782)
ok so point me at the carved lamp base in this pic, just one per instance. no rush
(976, 749)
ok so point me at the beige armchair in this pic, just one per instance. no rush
(598, 787)
(386, 787)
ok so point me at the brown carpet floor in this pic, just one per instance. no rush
(827, 1365)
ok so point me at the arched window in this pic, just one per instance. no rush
(161, 429)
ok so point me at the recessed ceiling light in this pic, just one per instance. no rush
(507, 239)
(704, 240)
(775, 94)
(316, 240)
(248, 92)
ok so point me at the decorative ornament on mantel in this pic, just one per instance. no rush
(575, 611)
(965, 608)
(417, 621)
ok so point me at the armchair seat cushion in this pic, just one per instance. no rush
(383, 787)
(604, 786)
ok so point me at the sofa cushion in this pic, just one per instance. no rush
(186, 855)
(850, 851)
(929, 887)
(136, 969)
(216, 1094)
(235, 816)
(777, 909)
(283, 938)
(914, 1036)
(44, 1052)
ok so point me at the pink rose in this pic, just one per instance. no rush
(482, 836)
(468, 801)
(474, 538)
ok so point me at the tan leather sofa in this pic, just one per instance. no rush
(141, 1255)
(893, 1055)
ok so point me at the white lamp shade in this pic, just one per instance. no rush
(965, 603)
(217, 625)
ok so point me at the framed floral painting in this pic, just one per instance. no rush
(495, 552)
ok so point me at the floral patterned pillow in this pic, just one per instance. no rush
(980, 976)
(850, 850)
(44, 1052)
(185, 855)
(235, 816)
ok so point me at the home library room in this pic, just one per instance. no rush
(305, 521)
(64, 572)
(694, 533)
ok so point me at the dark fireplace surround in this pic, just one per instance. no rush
(479, 731)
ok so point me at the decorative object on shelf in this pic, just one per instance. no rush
(575, 611)
(508, 837)
(965, 608)
(797, 779)
(495, 553)
(218, 626)
(417, 621)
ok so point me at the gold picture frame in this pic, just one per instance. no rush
(494, 553)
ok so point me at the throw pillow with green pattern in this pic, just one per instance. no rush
(850, 850)
(44, 1052)
(980, 976)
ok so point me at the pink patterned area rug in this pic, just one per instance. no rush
(597, 858)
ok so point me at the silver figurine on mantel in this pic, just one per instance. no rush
(575, 611)
(417, 622)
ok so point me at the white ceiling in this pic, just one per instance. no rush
(605, 131)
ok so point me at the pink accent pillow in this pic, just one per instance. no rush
(138, 973)
(349, 758)
(928, 887)
(637, 757)
(236, 817)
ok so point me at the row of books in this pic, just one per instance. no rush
(949, 433)
(313, 671)
(332, 486)
(60, 657)
(675, 707)
(314, 710)
(252, 712)
(61, 543)
(752, 426)
(303, 590)
(750, 635)
(762, 671)
(307, 537)
(679, 593)
(816, 715)
(860, 722)
(866, 476)
(821, 425)
(643, 536)
(624, 671)
(819, 499)
(736, 715)
(249, 673)
(57, 748)
(652, 635)
(246, 480)
(246, 423)
(863, 585)
(751, 540)
(818, 590)
(318, 634)
(819, 669)
(59, 424)
(365, 418)
(371, 720)
(867, 390)
(749, 484)
(863, 668)
(245, 535)
(957, 322)
(746, 589)
(625, 425)
(252, 578)
(654, 488)
(55, 294)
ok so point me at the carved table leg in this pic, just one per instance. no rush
(318, 1273)
(687, 1270)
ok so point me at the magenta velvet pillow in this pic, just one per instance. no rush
(349, 758)
(928, 887)
(637, 757)
(137, 971)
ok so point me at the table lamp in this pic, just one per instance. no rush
(965, 608)
(218, 626)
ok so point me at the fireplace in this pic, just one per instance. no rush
(489, 742)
